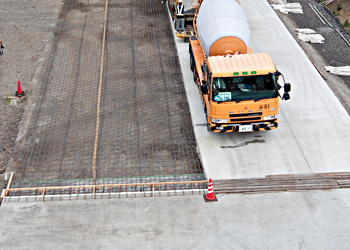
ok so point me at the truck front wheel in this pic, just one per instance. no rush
(208, 127)
(208, 124)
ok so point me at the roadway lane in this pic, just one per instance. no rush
(313, 134)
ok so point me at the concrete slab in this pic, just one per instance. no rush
(313, 134)
(307, 220)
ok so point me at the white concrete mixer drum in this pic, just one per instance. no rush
(222, 27)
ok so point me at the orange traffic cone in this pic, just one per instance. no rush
(19, 92)
(210, 196)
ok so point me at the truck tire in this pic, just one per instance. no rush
(191, 62)
(195, 76)
(208, 127)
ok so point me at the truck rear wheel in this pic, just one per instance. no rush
(191, 62)
(195, 76)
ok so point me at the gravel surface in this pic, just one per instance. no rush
(333, 52)
(26, 30)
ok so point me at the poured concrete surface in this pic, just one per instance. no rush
(313, 134)
(295, 220)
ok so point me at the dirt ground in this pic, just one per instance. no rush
(26, 30)
(341, 10)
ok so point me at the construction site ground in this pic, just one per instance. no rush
(110, 105)
(283, 220)
(26, 31)
(334, 51)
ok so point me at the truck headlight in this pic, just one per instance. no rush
(270, 117)
(218, 120)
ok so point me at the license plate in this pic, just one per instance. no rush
(245, 128)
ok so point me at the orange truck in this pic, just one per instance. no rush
(239, 89)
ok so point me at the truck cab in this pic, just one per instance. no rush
(240, 93)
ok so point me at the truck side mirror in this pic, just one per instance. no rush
(287, 87)
(286, 96)
(204, 89)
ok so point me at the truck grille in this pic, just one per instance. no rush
(246, 114)
(246, 117)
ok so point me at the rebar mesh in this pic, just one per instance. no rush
(145, 132)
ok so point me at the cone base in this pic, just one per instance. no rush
(207, 200)
(20, 95)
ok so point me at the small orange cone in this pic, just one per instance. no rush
(210, 196)
(19, 92)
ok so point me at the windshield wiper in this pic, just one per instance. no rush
(237, 100)
(260, 98)
(234, 100)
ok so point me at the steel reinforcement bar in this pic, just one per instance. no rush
(111, 103)
(284, 183)
(131, 190)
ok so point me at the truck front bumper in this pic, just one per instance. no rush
(256, 126)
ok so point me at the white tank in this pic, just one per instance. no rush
(222, 27)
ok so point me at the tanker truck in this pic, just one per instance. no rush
(239, 89)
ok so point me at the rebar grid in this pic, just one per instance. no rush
(145, 132)
(115, 190)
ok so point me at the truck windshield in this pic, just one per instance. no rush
(236, 89)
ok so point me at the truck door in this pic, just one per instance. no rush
(208, 96)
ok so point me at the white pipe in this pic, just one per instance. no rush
(317, 14)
